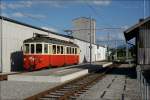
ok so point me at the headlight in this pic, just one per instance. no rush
(24, 59)
(31, 58)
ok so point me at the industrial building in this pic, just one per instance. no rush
(13, 33)
(141, 33)
(84, 28)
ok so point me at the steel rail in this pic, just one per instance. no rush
(71, 89)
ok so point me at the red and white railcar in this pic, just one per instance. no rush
(43, 52)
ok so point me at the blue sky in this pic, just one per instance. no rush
(57, 15)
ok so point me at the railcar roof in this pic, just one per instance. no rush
(50, 40)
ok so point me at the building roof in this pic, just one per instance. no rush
(24, 24)
(85, 18)
(132, 31)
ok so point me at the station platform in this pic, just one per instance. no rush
(102, 64)
(57, 75)
(49, 76)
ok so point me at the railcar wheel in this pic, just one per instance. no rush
(31, 68)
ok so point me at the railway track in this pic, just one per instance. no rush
(71, 90)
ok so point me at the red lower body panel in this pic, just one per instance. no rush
(34, 62)
(57, 60)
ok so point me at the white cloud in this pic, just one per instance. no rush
(50, 29)
(2, 6)
(18, 14)
(35, 16)
(125, 27)
(5, 14)
(16, 5)
(102, 2)
(65, 3)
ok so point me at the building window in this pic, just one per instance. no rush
(38, 48)
(54, 49)
(26, 48)
(32, 48)
(45, 48)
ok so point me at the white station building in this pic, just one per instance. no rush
(13, 33)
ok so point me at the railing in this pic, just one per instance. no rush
(144, 86)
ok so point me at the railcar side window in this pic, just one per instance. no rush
(58, 49)
(45, 48)
(70, 50)
(38, 48)
(32, 48)
(50, 49)
(54, 49)
(62, 49)
(67, 50)
(26, 48)
(75, 50)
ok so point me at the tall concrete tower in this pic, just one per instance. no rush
(81, 27)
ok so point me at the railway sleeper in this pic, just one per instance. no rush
(47, 99)
(57, 93)
(72, 98)
(51, 96)
(62, 90)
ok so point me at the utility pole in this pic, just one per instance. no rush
(127, 51)
(1, 45)
(90, 41)
(108, 38)
(144, 8)
(116, 50)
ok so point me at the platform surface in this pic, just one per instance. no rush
(49, 76)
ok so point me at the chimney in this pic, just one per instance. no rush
(141, 19)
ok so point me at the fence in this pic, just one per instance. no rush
(144, 86)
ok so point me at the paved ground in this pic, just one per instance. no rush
(121, 84)
(10, 90)
(14, 90)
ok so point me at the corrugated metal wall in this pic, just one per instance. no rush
(144, 44)
(0, 45)
(98, 53)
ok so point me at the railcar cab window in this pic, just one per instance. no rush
(54, 49)
(38, 48)
(32, 48)
(45, 48)
(26, 48)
